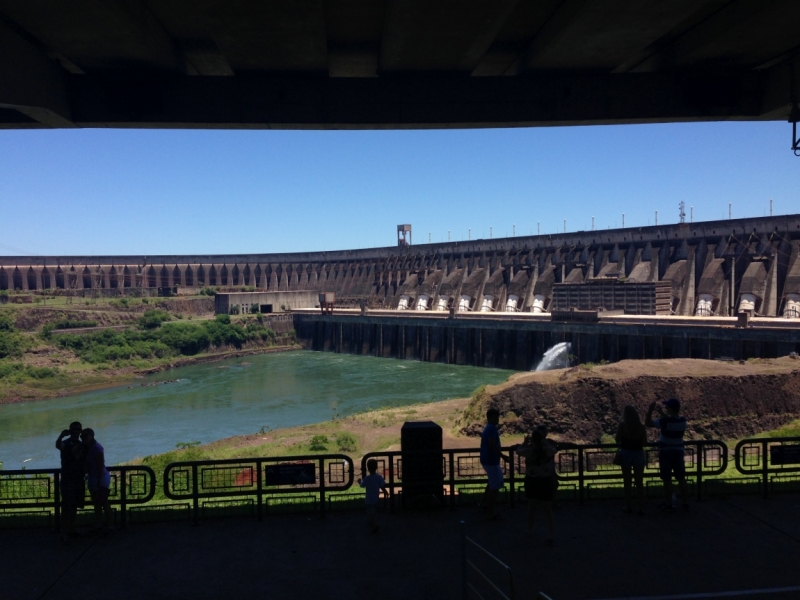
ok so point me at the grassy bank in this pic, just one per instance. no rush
(53, 360)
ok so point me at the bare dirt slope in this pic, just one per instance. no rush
(720, 399)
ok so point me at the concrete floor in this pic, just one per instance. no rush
(721, 545)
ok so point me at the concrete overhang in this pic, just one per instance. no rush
(353, 64)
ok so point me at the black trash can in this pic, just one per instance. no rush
(423, 466)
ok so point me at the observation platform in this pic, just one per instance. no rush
(722, 545)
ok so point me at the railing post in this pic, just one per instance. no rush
(701, 454)
(391, 483)
(57, 498)
(322, 488)
(764, 469)
(463, 528)
(123, 497)
(195, 499)
(452, 469)
(259, 490)
(580, 476)
(511, 476)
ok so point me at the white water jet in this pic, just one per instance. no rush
(556, 357)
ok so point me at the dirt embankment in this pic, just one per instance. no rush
(720, 400)
(31, 319)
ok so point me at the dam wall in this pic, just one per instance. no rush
(519, 344)
(712, 268)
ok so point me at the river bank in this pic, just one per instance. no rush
(353, 435)
(53, 352)
(76, 378)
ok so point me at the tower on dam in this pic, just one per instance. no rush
(713, 268)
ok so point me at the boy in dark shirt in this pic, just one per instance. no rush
(73, 492)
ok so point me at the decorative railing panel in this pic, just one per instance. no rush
(772, 459)
(40, 489)
(258, 480)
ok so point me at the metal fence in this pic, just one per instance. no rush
(593, 464)
(256, 482)
(776, 461)
(461, 470)
(477, 578)
(35, 493)
(322, 482)
(580, 466)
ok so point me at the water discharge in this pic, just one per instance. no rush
(557, 357)
(233, 397)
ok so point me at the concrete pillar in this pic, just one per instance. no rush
(37, 271)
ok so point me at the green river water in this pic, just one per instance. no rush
(232, 397)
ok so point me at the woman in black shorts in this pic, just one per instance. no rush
(540, 477)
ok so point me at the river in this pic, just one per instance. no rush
(232, 397)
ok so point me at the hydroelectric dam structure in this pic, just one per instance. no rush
(663, 291)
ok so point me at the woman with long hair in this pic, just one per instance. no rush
(632, 438)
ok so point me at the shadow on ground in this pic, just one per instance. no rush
(720, 545)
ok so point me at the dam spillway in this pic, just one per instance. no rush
(711, 268)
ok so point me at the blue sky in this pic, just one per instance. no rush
(175, 192)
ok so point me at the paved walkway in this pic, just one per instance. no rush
(721, 545)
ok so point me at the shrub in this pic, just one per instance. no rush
(186, 445)
(318, 443)
(6, 324)
(346, 442)
(12, 344)
(224, 319)
(152, 319)
(73, 324)
(15, 372)
(255, 309)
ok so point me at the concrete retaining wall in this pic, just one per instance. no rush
(520, 344)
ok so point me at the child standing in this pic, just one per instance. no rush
(373, 483)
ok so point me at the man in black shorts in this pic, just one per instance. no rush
(670, 449)
(73, 492)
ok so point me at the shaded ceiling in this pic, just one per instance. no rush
(394, 63)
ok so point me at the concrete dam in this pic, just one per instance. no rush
(712, 268)
(688, 278)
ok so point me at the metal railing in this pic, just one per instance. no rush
(460, 467)
(768, 456)
(590, 463)
(581, 464)
(252, 480)
(468, 566)
(318, 481)
(37, 491)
